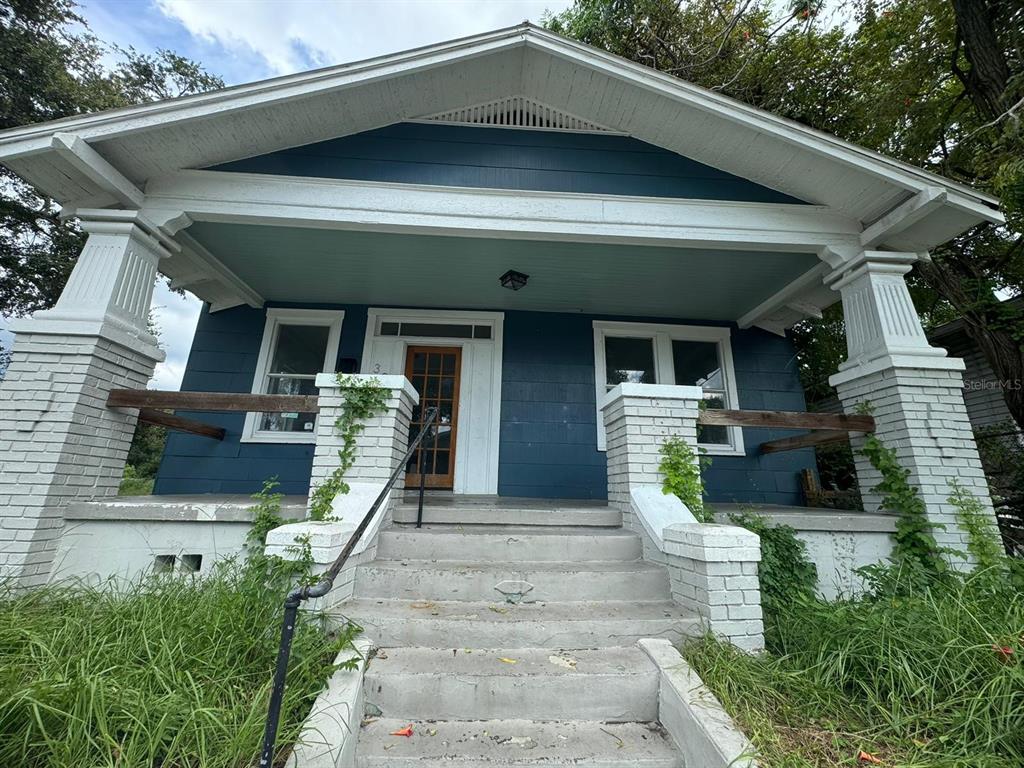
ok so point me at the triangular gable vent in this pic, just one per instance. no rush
(517, 112)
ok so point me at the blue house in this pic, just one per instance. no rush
(524, 365)
(517, 224)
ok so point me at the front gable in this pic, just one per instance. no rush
(517, 158)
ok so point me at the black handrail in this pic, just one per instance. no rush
(323, 586)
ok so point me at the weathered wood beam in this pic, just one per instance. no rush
(787, 420)
(169, 420)
(822, 437)
(212, 401)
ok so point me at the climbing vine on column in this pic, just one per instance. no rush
(361, 401)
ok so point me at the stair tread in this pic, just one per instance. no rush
(518, 742)
(510, 662)
(494, 611)
(487, 529)
(529, 566)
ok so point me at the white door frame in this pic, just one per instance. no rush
(476, 448)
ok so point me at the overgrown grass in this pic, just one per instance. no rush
(933, 677)
(171, 672)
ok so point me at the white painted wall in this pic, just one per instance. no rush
(837, 542)
(97, 550)
(121, 537)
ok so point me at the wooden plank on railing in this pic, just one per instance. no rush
(787, 420)
(821, 437)
(169, 420)
(211, 401)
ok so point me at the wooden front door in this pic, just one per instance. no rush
(435, 373)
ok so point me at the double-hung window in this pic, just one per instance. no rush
(297, 345)
(692, 355)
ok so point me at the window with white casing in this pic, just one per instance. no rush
(297, 345)
(691, 355)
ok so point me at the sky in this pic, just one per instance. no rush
(247, 40)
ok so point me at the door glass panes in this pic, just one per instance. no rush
(697, 364)
(434, 374)
(298, 356)
(629, 360)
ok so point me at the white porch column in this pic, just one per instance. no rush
(914, 390)
(379, 449)
(712, 568)
(58, 440)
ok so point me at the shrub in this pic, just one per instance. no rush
(786, 572)
(681, 467)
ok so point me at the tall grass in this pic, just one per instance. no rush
(930, 678)
(171, 672)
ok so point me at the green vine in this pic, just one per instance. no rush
(786, 572)
(983, 540)
(363, 399)
(916, 554)
(682, 467)
(266, 515)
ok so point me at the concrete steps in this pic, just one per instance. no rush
(436, 624)
(506, 636)
(508, 543)
(542, 581)
(508, 743)
(611, 684)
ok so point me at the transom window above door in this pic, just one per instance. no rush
(645, 353)
(297, 345)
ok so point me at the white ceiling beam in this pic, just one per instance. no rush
(77, 153)
(788, 297)
(515, 214)
(904, 216)
(206, 262)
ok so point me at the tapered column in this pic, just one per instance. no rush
(914, 391)
(58, 440)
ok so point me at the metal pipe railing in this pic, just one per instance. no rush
(324, 585)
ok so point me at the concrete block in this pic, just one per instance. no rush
(701, 729)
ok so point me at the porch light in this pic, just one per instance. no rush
(513, 280)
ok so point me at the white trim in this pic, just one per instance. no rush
(662, 336)
(230, 197)
(476, 472)
(91, 164)
(276, 316)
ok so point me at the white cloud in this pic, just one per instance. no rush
(297, 35)
(176, 317)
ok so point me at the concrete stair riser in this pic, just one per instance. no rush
(612, 685)
(508, 743)
(598, 517)
(420, 580)
(494, 625)
(507, 544)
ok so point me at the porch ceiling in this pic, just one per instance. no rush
(338, 266)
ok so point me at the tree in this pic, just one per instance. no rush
(936, 83)
(51, 67)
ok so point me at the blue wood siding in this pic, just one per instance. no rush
(500, 158)
(549, 415)
(223, 359)
(548, 430)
